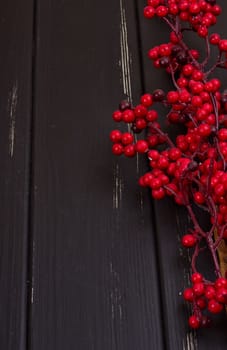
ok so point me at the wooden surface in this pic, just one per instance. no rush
(87, 261)
(16, 20)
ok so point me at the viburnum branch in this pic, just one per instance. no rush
(197, 227)
(204, 63)
(194, 257)
(161, 133)
(190, 167)
(217, 63)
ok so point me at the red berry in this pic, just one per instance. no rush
(173, 9)
(197, 75)
(216, 9)
(163, 162)
(202, 31)
(158, 95)
(187, 69)
(151, 116)
(153, 3)
(194, 53)
(210, 292)
(199, 288)
(140, 111)
(153, 53)
(201, 303)
(174, 153)
(174, 38)
(188, 294)
(194, 8)
(182, 82)
(197, 101)
(149, 12)
(164, 179)
(196, 86)
(223, 45)
(219, 190)
(117, 116)
(184, 96)
(222, 134)
(153, 155)
(221, 282)
(188, 241)
(205, 96)
(158, 194)
(184, 16)
(140, 123)
(129, 151)
(152, 140)
(183, 5)
(115, 135)
(161, 11)
(117, 149)
(196, 277)
(141, 146)
(147, 178)
(155, 183)
(214, 39)
(221, 295)
(194, 322)
(146, 100)
(126, 138)
(214, 306)
(172, 96)
(199, 197)
(128, 116)
(204, 130)
(208, 86)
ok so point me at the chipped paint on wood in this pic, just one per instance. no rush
(125, 56)
(190, 342)
(117, 187)
(12, 106)
(115, 296)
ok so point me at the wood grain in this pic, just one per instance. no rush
(95, 273)
(15, 110)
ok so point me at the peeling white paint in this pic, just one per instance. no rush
(12, 105)
(190, 342)
(32, 295)
(125, 56)
(117, 188)
(115, 296)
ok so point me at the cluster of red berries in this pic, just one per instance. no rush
(192, 167)
(200, 14)
(206, 298)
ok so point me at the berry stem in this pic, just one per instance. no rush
(204, 63)
(211, 246)
(194, 257)
(164, 135)
(194, 220)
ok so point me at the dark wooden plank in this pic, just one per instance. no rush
(95, 277)
(172, 222)
(16, 20)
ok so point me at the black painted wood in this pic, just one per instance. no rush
(102, 266)
(172, 222)
(15, 109)
(95, 282)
